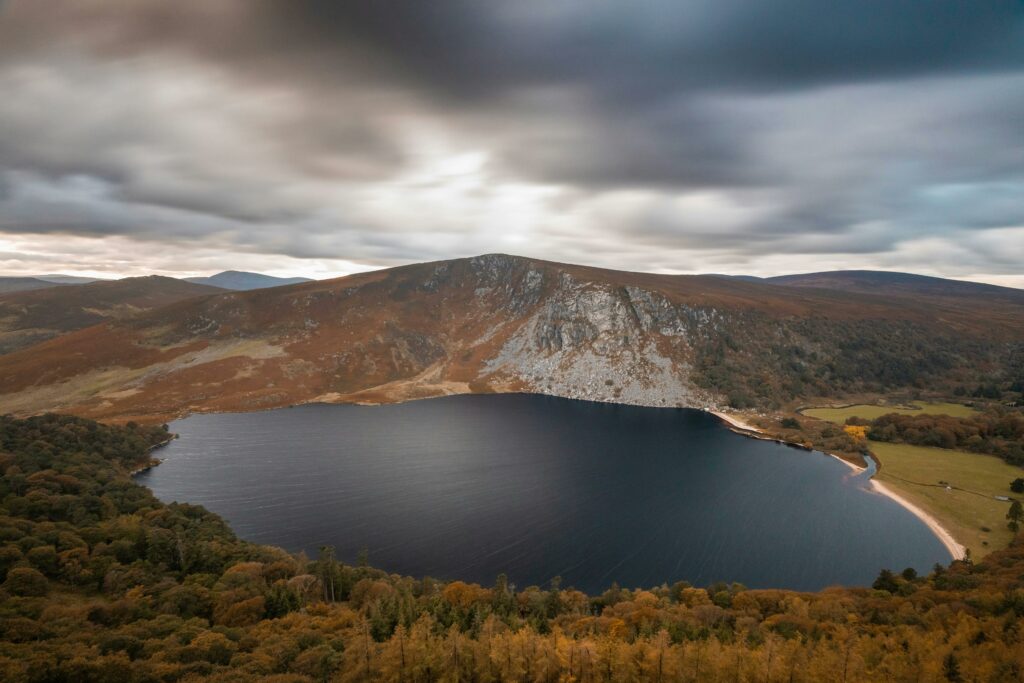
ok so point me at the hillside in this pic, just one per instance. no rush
(244, 281)
(27, 318)
(502, 323)
(100, 581)
(23, 284)
(61, 279)
(901, 284)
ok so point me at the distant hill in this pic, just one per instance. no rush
(23, 284)
(743, 278)
(29, 317)
(244, 281)
(888, 283)
(499, 323)
(68, 279)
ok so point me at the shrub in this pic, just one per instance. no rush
(26, 582)
(886, 581)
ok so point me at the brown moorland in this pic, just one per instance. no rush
(504, 323)
(29, 317)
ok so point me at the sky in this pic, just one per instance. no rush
(320, 138)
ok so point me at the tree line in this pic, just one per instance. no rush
(997, 431)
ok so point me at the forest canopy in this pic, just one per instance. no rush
(997, 431)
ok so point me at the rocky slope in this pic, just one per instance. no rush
(503, 323)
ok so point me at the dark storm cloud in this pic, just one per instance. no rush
(616, 50)
(303, 128)
(653, 46)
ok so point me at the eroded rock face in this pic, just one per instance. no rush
(602, 343)
(513, 284)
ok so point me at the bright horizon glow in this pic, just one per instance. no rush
(330, 271)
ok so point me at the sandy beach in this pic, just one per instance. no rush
(735, 421)
(955, 549)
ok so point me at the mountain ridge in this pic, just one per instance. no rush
(241, 280)
(62, 279)
(12, 284)
(503, 323)
(30, 317)
(895, 282)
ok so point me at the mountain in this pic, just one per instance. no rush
(243, 281)
(29, 317)
(26, 284)
(68, 279)
(23, 284)
(906, 284)
(742, 278)
(504, 323)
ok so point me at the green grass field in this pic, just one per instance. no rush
(962, 512)
(870, 412)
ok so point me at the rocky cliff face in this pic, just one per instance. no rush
(602, 342)
(503, 323)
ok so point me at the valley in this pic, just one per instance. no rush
(511, 342)
(156, 349)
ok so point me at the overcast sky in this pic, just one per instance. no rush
(321, 138)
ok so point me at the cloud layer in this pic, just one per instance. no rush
(321, 137)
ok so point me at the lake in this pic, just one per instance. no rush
(467, 487)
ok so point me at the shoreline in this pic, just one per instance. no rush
(152, 462)
(748, 430)
(735, 424)
(957, 550)
(954, 548)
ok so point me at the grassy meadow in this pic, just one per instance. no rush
(915, 472)
(870, 412)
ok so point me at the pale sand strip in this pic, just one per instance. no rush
(735, 421)
(954, 548)
(856, 468)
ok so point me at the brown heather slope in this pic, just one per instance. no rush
(888, 283)
(503, 323)
(29, 317)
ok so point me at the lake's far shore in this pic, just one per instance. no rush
(957, 550)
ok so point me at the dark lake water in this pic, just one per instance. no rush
(468, 487)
